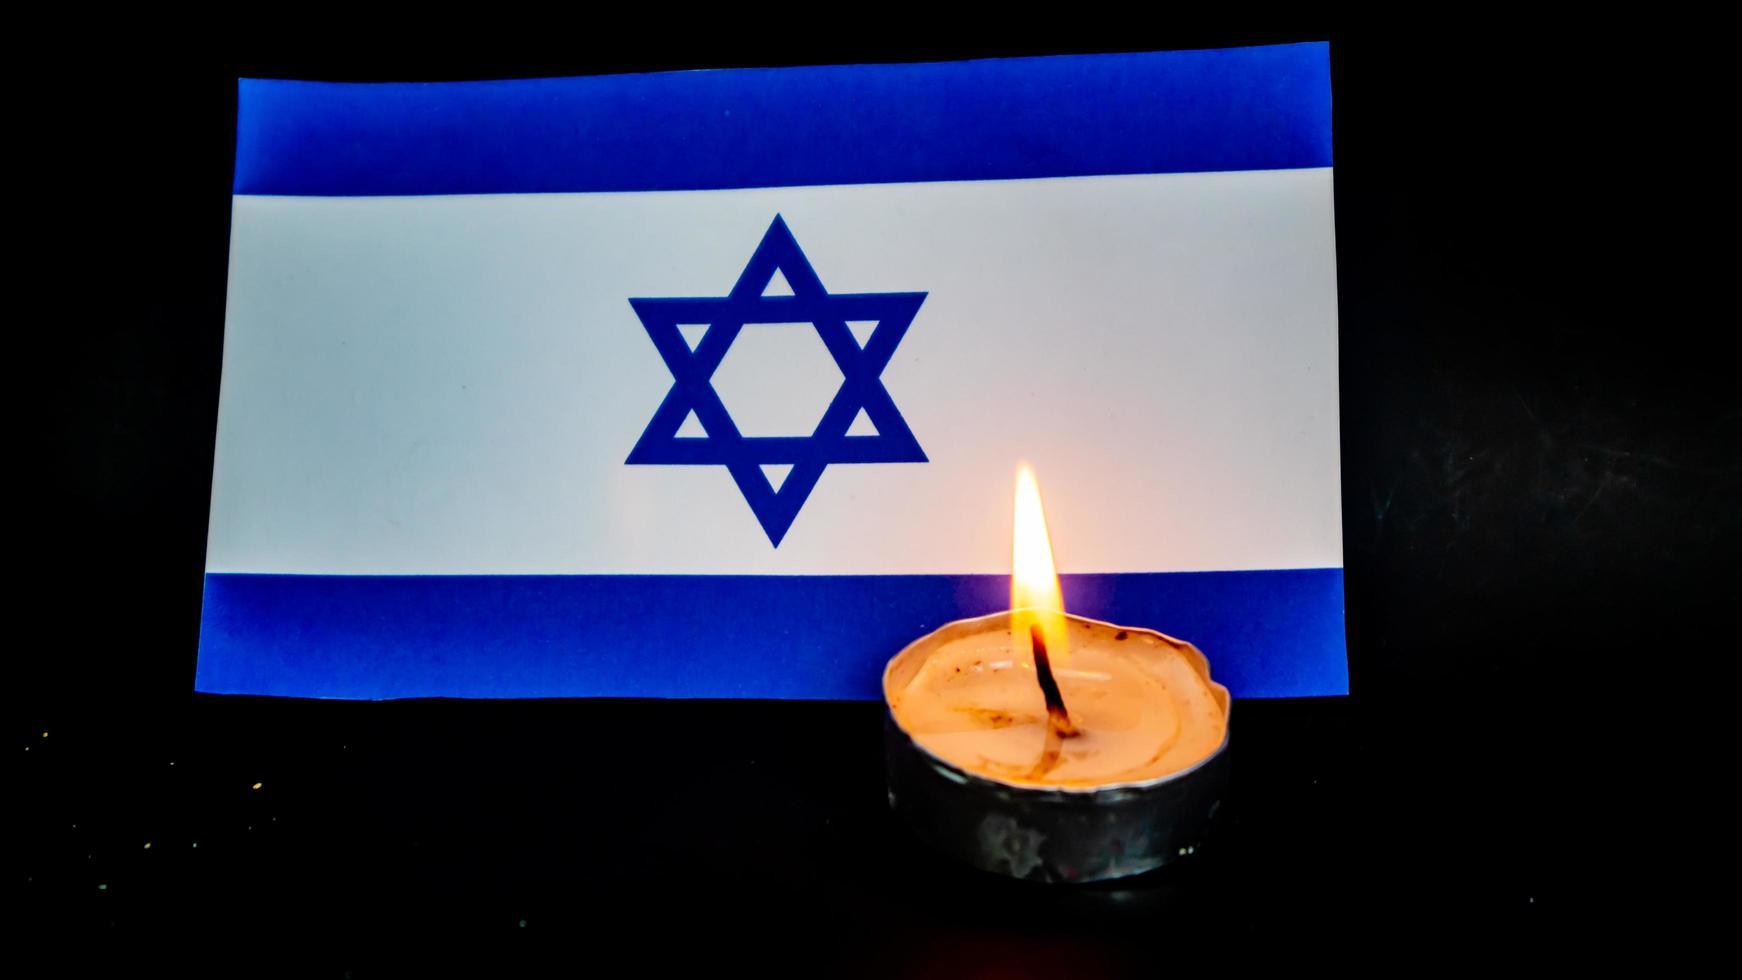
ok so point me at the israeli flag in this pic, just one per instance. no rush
(713, 384)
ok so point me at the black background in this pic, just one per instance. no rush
(1540, 470)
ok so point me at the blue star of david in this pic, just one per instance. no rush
(743, 456)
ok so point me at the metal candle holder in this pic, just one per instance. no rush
(1060, 834)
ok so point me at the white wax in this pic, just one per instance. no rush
(1144, 706)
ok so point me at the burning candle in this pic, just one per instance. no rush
(1049, 746)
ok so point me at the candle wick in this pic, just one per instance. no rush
(1058, 720)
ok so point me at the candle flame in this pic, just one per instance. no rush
(1035, 599)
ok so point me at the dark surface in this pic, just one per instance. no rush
(1541, 469)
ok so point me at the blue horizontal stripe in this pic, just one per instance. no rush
(1261, 108)
(1267, 633)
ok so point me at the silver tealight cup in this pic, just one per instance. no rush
(1057, 834)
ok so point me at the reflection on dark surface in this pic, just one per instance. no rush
(266, 818)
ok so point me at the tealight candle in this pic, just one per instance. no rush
(1049, 746)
